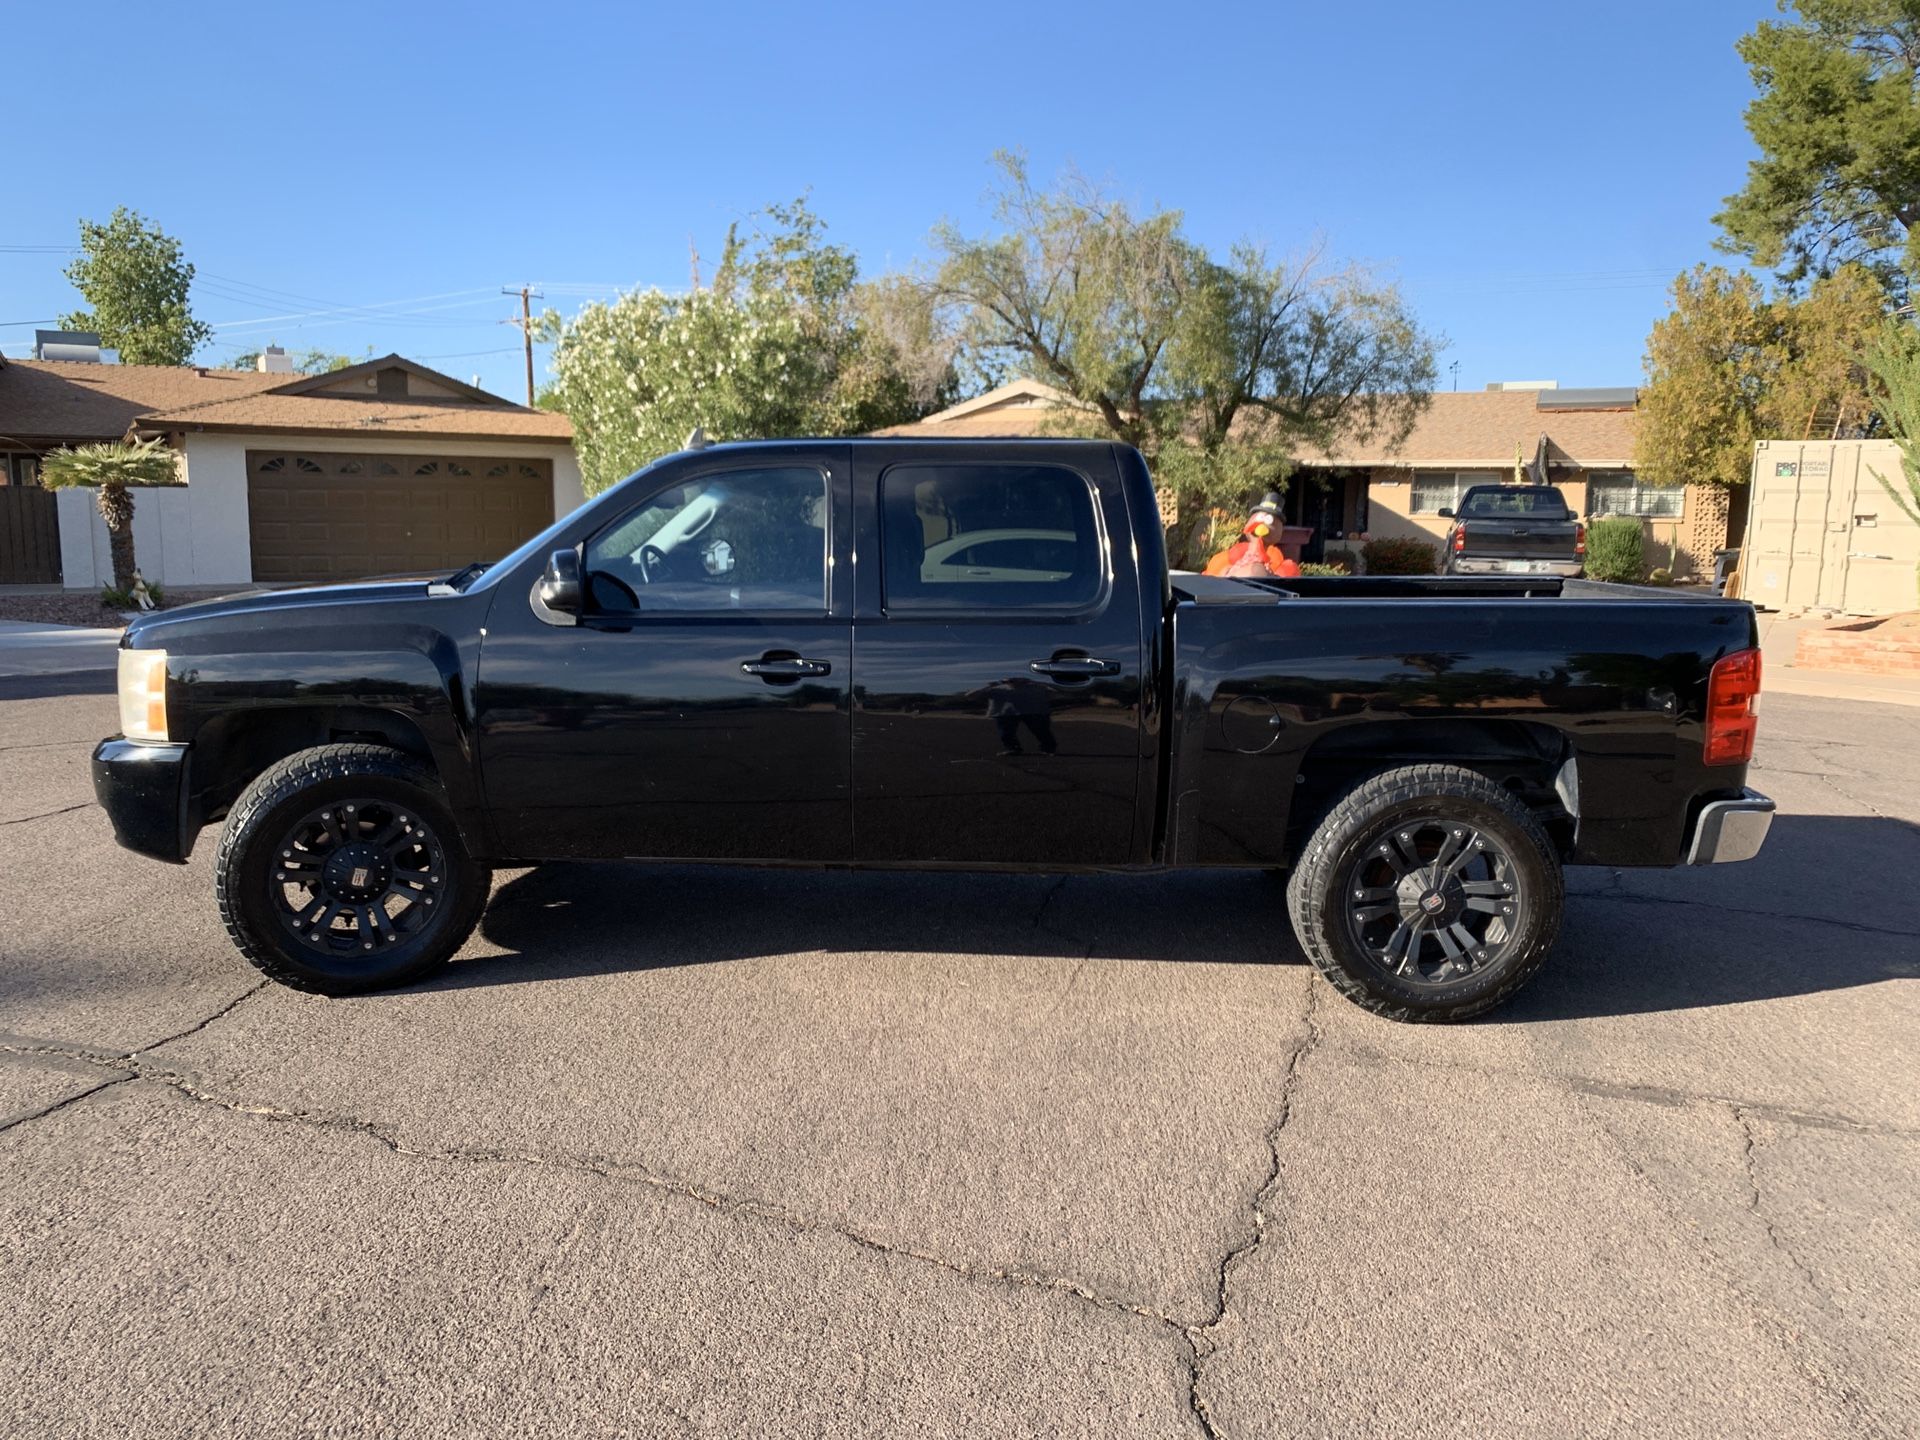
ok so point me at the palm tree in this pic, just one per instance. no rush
(111, 469)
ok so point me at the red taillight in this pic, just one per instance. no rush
(1731, 691)
(1460, 537)
(1579, 539)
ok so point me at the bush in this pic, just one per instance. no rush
(1401, 556)
(1346, 561)
(1614, 551)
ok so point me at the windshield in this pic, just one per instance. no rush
(1539, 501)
(540, 543)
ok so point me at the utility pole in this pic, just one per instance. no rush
(524, 320)
(1455, 368)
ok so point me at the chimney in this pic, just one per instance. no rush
(80, 345)
(273, 361)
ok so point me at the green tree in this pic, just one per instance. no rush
(786, 341)
(1221, 370)
(1894, 360)
(111, 470)
(305, 362)
(135, 284)
(1729, 365)
(1837, 122)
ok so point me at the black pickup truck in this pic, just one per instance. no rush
(932, 654)
(1514, 530)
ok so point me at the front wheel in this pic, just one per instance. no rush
(341, 870)
(1428, 893)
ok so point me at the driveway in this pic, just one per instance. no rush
(722, 1152)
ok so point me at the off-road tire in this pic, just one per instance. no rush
(276, 800)
(1317, 894)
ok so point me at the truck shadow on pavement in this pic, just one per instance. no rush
(1828, 906)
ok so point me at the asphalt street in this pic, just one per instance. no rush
(732, 1152)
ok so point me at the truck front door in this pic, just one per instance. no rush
(997, 659)
(699, 709)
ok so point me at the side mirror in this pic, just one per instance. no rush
(560, 586)
(1446, 514)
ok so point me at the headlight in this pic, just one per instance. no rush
(143, 694)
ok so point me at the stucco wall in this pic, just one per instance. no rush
(197, 535)
(162, 538)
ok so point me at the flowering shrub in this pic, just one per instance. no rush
(783, 343)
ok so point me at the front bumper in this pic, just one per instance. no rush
(142, 785)
(1566, 569)
(1730, 830)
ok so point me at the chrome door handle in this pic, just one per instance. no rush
(775, 668)
(1074, 667)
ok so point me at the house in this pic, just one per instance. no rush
(1578, 440)
(380, 467)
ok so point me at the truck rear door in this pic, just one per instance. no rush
(998, 657)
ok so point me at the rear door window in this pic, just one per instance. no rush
(1006, 537)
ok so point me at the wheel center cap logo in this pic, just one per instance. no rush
(1428, 903)
(359, 879)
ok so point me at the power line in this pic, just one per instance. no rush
(468, 354)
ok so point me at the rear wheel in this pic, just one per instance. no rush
(341, 870)
(1428, 893)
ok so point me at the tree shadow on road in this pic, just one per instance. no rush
(1828, 906)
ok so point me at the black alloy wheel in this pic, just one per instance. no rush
(341, 870)
(357, 875)
(1427, 893)
(1433, 900)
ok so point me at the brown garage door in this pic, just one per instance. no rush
(316, 515)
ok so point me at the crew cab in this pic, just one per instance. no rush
(1514, 530)
(932, 654)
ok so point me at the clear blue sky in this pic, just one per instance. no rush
(1535, 174)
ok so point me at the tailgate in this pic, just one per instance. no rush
(1490, 539)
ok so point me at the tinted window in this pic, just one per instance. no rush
(1515, 500)
(744, 540)
(1001, 536)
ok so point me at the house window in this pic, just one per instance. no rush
(1620, 492)
(1434, 491)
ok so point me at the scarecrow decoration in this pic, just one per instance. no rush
(1251, 555)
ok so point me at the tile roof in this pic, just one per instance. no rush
(62, 400)
(1481, 429)
(1475, 429)
(1018, 409)
(374, 415)
(51, 401)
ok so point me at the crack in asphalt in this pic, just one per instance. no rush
(1751, 1159)
(49, 814)
(136, 1067)
(220, 1014)
(1819, 1371)
(1200, 1338)
(1643, 1094)
(61, 1104)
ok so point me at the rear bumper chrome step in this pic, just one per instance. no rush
(1730, 830)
